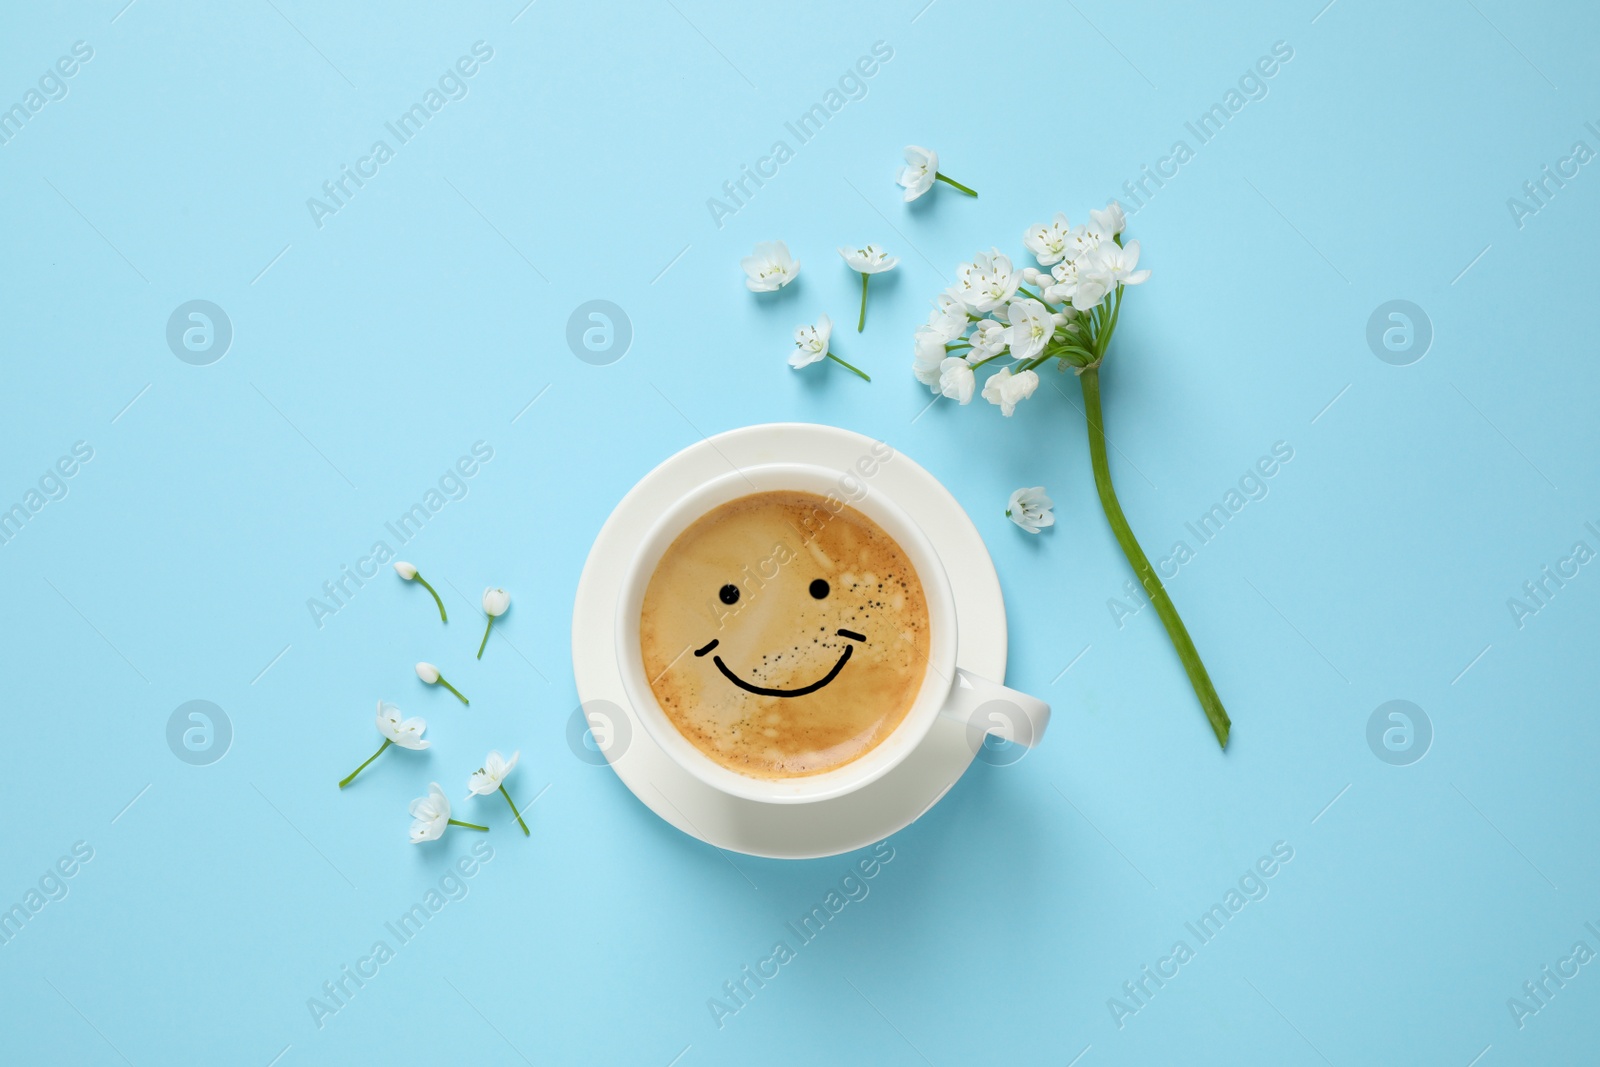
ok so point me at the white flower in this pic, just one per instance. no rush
(1049, 242)
(956, 379)
(495, 603)
(869, 260)
(930, 355)
(917, 175)
(1081, 243)
(409, 573)
(431, 814)
(811, 343)
(1032, 325)
(407, 733)
(988, 281)
(1030, 509)
(948, 317)
(1092, 288)
(988, 340)
(1008, 390)
(1118, 263)
(488, 778)
(430, 674)
(1110, 222)
(770, 267)
(491, 778)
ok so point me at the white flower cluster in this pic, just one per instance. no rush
(989, 314)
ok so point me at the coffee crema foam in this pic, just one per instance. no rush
(736, 638)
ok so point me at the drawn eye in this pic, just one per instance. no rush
(819, 588)
(729, 594)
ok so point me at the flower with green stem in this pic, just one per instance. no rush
(430, 674)
(867, 262)
(430, 816)
(409, 573)
(490, 778)
(495, 603)
(407, 733)
(922, 170)
(1070, 322)
(811, 346)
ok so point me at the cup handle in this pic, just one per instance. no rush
(990, 708)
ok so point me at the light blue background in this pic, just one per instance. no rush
(370, 353)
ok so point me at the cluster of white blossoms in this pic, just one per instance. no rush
(990, 314)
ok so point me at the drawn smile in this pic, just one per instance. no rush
(844, 658)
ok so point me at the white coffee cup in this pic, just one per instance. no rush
(986, 707)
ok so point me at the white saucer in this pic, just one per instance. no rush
(778, 831)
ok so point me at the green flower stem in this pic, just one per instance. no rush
(468, 825)
(442, 616)
(1203, 689)
(1109, 324)
(352, 775)
(861, 322)
(989, 359)
(958, 185)
(842, 363)
(514, 811)
(485, 640)
(454, 690)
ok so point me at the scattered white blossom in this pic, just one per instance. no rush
(770, 267)
(430, 674)
(869, 260)
(1030, 509)
(491, 777)
(922, 164)
(495, 603)
(811, 343)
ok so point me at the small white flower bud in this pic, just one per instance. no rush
(496, 601)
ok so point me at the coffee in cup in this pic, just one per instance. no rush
(784, 635)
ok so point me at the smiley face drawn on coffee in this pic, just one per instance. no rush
(784, 637)
(819, 589)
